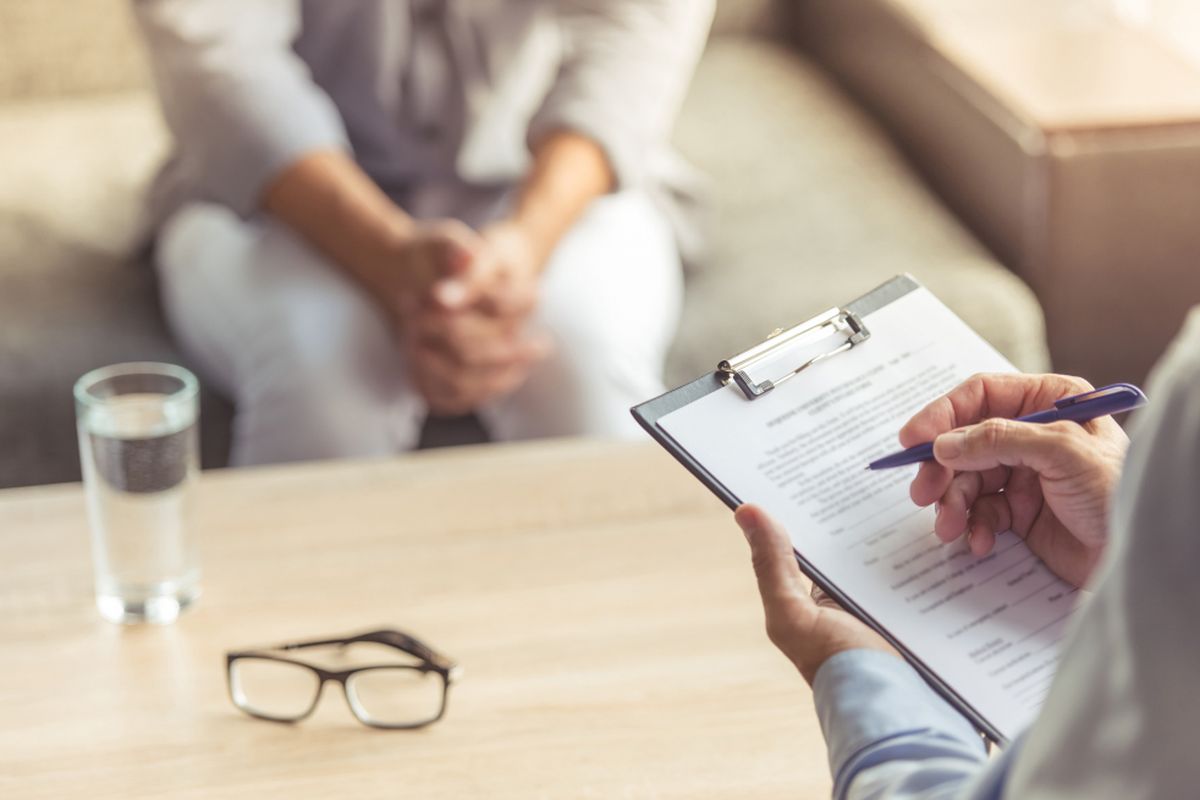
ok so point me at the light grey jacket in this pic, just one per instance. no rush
(424, 93)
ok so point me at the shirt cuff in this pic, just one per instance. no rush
(867, 700)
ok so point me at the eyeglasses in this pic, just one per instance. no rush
(395, 696)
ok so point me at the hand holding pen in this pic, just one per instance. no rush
(1047, 481)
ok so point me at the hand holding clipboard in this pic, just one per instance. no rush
(788, 426)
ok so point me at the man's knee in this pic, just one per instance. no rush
(614, 285)
(309, 360)
(197, 237)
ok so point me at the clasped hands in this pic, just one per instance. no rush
(1049, 484)
(461, 302)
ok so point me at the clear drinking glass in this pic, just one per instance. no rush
(138, 443)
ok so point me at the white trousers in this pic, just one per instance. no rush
(315, 371)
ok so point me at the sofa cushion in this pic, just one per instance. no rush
(814, 206)
(74, 294)
(68, 47)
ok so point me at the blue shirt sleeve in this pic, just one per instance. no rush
(891, 736)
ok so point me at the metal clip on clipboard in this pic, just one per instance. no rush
(835, 320)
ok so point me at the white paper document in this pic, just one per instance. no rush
(988, 627)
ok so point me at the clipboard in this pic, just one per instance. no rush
(845, 325)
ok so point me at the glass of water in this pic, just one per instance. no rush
(138, 443)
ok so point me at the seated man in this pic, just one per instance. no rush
(1119, 717)
(378, 210)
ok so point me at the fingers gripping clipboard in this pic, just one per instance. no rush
(790, 425)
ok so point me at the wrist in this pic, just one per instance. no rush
(569, 171)
(382, 247)
(837, 632)
(844, 660)
(396, 232)
(541, 225)
(810, 666)
(522, 245)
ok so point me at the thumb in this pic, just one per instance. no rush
(1046, 449)
(452, 287)
(780, 582)
(456, 256)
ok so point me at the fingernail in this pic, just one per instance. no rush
(462, 258)
(950, 445)
(744, 527)
(450, 293)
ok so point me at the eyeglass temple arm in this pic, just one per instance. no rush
(391, 638)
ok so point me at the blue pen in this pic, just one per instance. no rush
(1080, 408)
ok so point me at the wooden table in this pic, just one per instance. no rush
(600, 601)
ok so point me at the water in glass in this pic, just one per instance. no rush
(139, 454)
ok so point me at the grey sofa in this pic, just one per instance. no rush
(812, 206)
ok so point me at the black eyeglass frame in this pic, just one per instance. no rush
(430, 661)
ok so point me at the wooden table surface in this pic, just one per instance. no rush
(599, 599)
